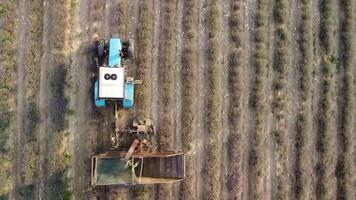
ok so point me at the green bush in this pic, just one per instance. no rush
(2, 10)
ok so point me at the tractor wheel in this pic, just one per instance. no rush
(100, 49)
(131, 49)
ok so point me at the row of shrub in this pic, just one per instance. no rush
(344, 165)
(303, 126)
(144, 61)
(144, 58)
(280, 69)
(257, 158)
(29, 156)
(167, 57)
(167, 54)
(324, 164)
(212, 107)
(7, 92)
(236, 64)
(189, 61)
(54, 165)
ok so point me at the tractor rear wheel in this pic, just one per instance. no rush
(131, 49)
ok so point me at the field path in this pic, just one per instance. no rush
(201, 98)
(247, 115)
(225, 53)
(22, 47)
(155, 109)
(44, 93)
(177, 115)
(293, 85)
(80, 93)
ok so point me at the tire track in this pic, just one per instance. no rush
(21, 65)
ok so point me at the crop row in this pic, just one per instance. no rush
(212, 113)
(235, 87)
(257, 101)
(344, 166)
(324, 135)
(32, 117)
(144, 57)
(280, 69)
(189, 62)
(167, 57)
(55, 77)
(144, 60)
(303, 127)
(7, 102)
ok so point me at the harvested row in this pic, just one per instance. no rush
(303, 126)
(280, 69)
(7, 102)
(324, 135)
(236, 63)
(257, 158)
(144, 60)
(167, 55)
(344, 165)
(212, 114)
(189, 76)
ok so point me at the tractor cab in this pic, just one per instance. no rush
(112, 83)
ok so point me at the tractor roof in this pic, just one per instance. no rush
(115, 47)
(111, 87)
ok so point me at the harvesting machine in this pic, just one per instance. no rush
(141, 163)
(112, 83)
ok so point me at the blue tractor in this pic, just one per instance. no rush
(112, 83)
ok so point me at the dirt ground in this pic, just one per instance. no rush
(89, 128)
